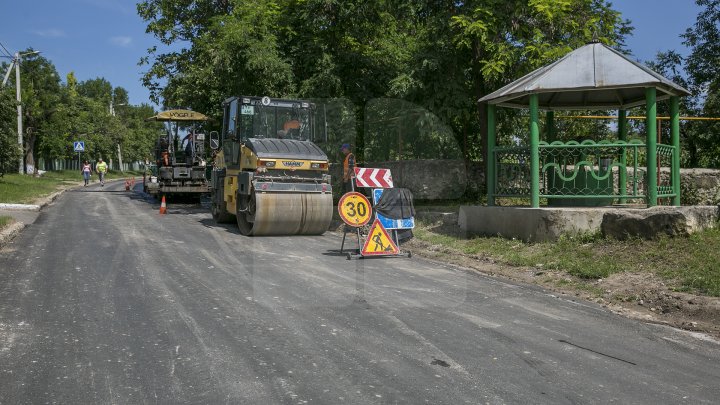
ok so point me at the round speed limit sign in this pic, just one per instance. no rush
(355, 209)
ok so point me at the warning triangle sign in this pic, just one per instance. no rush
(379, 242)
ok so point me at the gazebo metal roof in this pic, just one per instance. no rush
(593, 76)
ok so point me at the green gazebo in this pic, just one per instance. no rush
(585, 172)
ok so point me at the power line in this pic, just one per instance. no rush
(6, 51)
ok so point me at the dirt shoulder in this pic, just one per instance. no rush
(641, 295)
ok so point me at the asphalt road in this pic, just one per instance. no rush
(103, 300)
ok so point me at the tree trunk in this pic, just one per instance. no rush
(30, 139)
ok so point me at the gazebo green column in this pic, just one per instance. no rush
(622, 135)
(675, 135)
(534, 152)
(651, 145)
(490, 172)
(550, 137)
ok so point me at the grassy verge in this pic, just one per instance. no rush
(688, 264)
(22, 189)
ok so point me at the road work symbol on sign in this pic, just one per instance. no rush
(355, 209)
(379, 242)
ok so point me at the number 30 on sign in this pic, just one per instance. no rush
(355, 209)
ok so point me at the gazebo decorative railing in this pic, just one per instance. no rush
(597, 173)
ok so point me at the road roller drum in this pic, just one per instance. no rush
(287, 214)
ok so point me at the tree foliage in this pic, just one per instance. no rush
(702, 66)
(441, 56)
(9, 150)
(55, 114)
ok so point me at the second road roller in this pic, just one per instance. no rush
(268, 175)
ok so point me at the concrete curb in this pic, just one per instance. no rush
(45, 201)
(19, 207)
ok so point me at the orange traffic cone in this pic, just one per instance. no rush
(163, 207)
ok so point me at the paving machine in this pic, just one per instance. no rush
(180, 165)
(268, 175)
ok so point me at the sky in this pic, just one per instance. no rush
(106, 38)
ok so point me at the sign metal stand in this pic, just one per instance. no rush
(355, 213)
(381, 241)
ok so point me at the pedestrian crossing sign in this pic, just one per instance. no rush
(379, 242)
(79, 146)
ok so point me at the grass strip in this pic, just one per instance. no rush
(690, 264)
(24, 189)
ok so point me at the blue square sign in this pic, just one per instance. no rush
(389, 223)
(79, 146)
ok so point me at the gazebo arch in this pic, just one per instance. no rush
(594, 76)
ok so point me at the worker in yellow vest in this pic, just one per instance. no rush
(348, 168)
(101, 168)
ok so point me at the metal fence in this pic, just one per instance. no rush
(584, 173)
(74, 164)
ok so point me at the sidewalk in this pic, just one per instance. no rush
(24, 215)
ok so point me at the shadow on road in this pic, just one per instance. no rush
(337, 253)
(100, 190)
(230, 228)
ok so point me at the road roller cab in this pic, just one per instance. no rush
(268, 175)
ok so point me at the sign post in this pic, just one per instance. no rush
(79, 147)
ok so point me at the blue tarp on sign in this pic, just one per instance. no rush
(389, 223)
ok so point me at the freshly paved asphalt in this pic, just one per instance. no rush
(103, 300)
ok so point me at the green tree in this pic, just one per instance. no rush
(9, 150)
(440, 55)
(40, 96)
(97, 89)
(703, 70)
(509, 38)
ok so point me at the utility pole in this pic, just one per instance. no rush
(112, 112)
(19, 113)
(18, 96)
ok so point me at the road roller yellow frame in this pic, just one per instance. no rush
(268, 175)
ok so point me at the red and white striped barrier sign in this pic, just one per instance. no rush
(375, 178)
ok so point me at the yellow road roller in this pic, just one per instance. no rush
(267, 174)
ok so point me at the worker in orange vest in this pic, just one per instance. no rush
(348, 168)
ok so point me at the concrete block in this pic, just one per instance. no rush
(549, 224)
(529, 224)
(651, 223)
